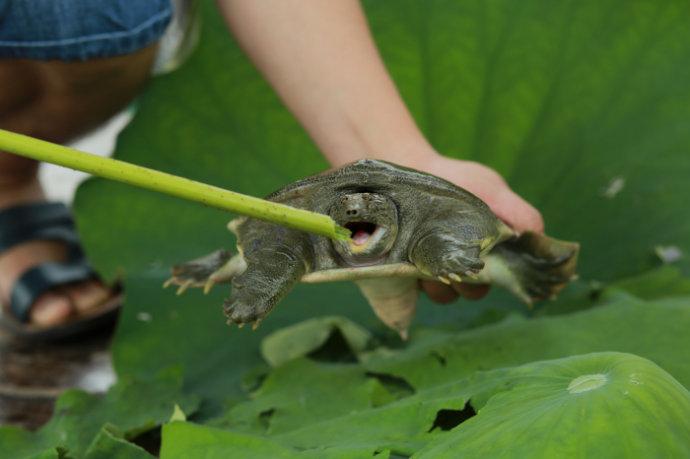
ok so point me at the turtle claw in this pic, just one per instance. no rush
(183, 287)
(455, 277)
(471, 274)
(450, 263)
(243, 313)
(169, 282)
(231, 322)
(208, 285)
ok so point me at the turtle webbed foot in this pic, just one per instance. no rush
(205, 271)
(458, 264)
(251, 301)
(446, 258)
(240, 313)
(541, 266)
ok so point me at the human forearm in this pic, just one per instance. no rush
(320, 57)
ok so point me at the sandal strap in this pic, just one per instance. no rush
(42, 221)
(39, 221)
(42, 278)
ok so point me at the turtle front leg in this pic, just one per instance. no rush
(271, 273)
(447, 255)
(206, 271)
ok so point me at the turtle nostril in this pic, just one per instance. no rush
(351, 212)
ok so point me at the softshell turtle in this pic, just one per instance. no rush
(406, 225)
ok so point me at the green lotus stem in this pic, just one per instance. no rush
(180, 187)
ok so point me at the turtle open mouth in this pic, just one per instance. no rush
(361, 231)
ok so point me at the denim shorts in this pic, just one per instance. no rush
(73, 30)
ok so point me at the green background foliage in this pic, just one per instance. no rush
(563, 98)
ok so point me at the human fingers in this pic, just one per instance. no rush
(471, 291)
(444, 294)
(438, 292)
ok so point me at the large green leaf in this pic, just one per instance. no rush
(95, 425)
(188, 441)
(311, 335)
(110, 444)
(652, 330)
(599, 405)
(306, 404)
(434, 356)
(305, 393)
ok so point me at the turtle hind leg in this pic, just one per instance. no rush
(206, 271)
(533, 266)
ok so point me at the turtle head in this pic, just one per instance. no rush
(373, 220)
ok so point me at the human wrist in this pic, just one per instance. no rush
(413, 152)
(422, 158)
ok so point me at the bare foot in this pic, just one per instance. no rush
(56, 306)
(87, 296)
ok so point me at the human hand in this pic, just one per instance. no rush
(491, 188)
(487, 185)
